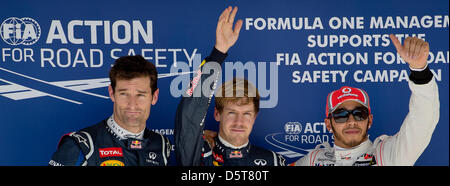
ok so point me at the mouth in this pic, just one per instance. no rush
(352, 131)
(238, 130)
(132, 113)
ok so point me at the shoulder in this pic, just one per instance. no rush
(154, 136)
(278, 160)
(159, 140)
(83, 138)
(95, 129)
(320, 152)
(73, 146)
(260, 150)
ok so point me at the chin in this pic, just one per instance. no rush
(354, 143)
(238, 137)
(133, 122)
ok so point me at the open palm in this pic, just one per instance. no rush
(226, 36)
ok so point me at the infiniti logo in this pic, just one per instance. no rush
(152, 155)
(260, 162)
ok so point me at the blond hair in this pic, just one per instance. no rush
(238, 91)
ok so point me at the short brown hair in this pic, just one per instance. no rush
(129, 67)
(237, 91)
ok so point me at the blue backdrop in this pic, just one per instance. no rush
(56, 55)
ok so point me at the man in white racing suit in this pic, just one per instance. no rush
(348, 117)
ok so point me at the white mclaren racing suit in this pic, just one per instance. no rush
(403, 148)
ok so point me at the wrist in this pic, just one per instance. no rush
(216, 55)
(221, 48)
(421, 77)
(418, 69)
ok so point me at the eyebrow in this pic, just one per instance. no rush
(139, 91)
(142, 91)
(229, 109)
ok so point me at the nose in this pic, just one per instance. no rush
(132, 102)
(351, 120)
(239, 120)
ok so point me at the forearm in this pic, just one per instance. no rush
(418, 126)
(192, 110)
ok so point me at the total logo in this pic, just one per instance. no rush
(20, 31)
(111, 152)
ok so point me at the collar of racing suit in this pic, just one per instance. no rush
(227, 152)
(122, 133)
(227, 144)
(352, 153)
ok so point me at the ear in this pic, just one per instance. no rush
(328, 124)
(111, 93)
(155, 97)
(370, 120)
(216, 115)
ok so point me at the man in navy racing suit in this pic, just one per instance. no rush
(122, 139)
(235, 114)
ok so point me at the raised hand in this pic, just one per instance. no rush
(414, 51)
(226, 36)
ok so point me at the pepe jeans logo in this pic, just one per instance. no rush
(20, 31)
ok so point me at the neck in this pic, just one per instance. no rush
(123, 132)
(136, 128)
(233, 145)
(344, 147)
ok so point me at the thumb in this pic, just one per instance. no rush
(396, 43)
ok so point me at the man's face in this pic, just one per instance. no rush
(236, 122)
(352, 132)
(132, 102)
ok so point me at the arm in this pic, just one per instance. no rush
(193, 107)
(415, 134)
(68, 153)
(190, 116)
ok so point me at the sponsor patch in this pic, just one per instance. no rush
(236, 154)
(112, 163)
(110, 152)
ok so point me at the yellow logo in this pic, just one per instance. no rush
(203, 62)
(112, 163)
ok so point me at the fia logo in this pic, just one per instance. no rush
(292, 128)
(17, 31)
